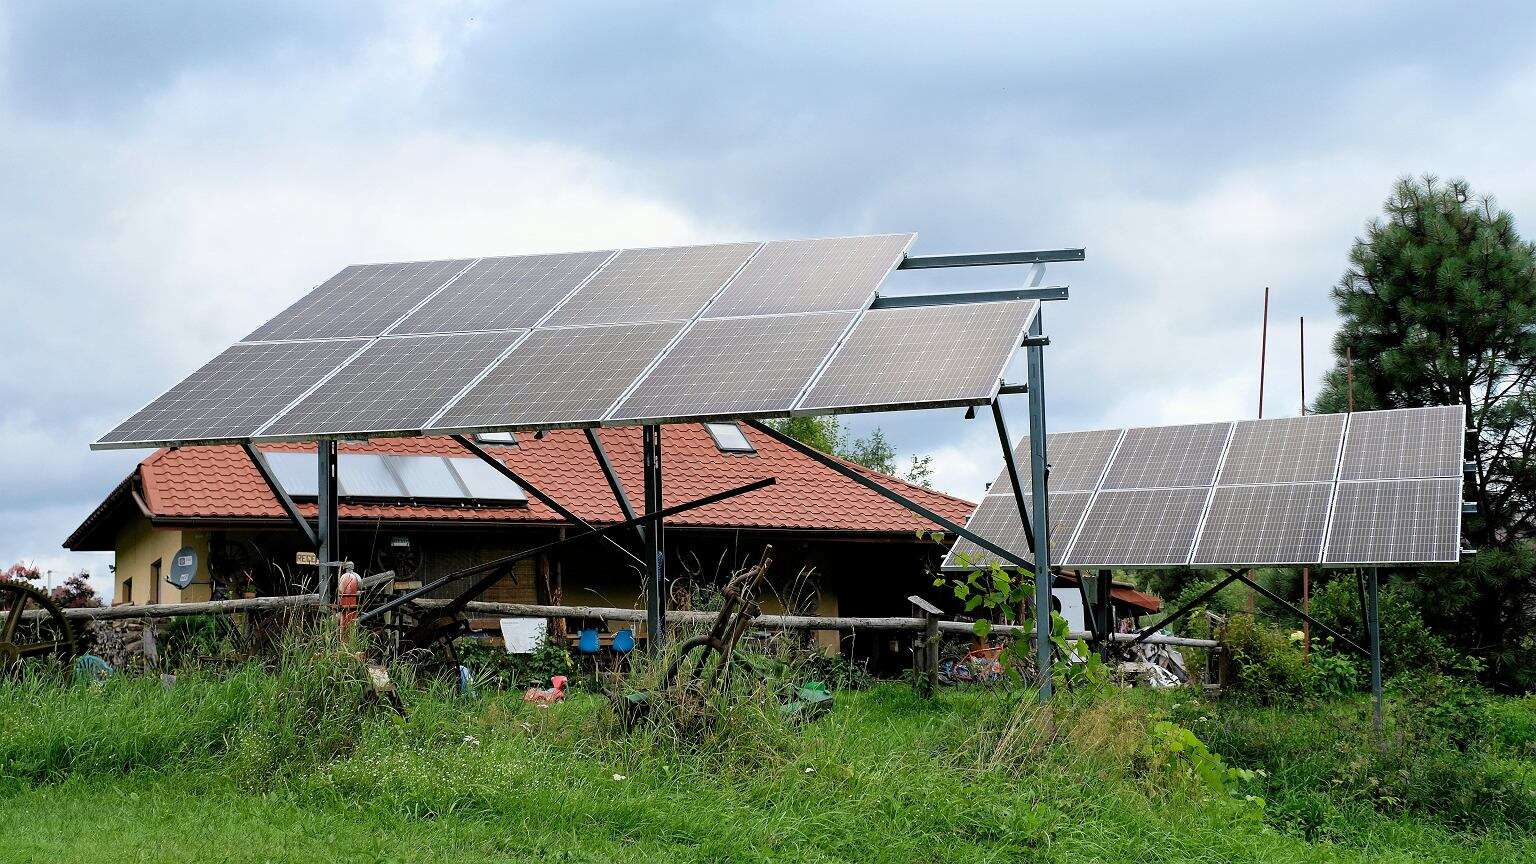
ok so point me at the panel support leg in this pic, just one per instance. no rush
(655, 545)
(1038, 469)
(1373, 618)
(329, 535)
(1103, 625)
(1019, 500)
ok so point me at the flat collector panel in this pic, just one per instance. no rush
(1405, 443)
(361, 300)
(1396, 522)
(833, 274)
(1279, 524)
(997, 519)
(570, 375)
(235, 393)
(640, 285)
(398, 384)
(1284, 450)
(923, 355)
(1168, 456)
(736, 367)
(504, 293)
(1138, 528)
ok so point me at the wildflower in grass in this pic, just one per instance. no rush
(619, 777)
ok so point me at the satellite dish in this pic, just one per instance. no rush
(183, 567)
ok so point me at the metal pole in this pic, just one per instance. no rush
(889, 494)
(1289, 607)
(265, 470)
(1187, 608)
(328, 518)
(1306, 572)
(1035, 354)
(655, 547)
(1106, 611)
(1013, 477)
(1374, 618)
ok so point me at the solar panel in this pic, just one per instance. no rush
(486, 482)
(235, 393)
(563, 376)
(1138, 528)
(361, 300)
(397, 384)
(736, 367)
(1167, 456)
(366, 475)
(297, 473)
(918, 356)
(426, 477)
(503, 293)
(641, 285)
(1076, 459)
(834, 274)
(1404, 443)
(1396, 522)
(997, 519)
(1284, 450)
(1280, 524)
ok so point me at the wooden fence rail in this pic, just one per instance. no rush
(531, 610)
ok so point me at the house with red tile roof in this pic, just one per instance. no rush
(839, 548)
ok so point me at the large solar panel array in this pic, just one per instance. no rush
(1373, 487)
(590, 338)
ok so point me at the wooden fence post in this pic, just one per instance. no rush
(926, 659)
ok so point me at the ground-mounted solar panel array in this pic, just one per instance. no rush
(613, 337)
(1372, 487)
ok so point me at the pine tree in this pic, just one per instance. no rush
(1438, 307)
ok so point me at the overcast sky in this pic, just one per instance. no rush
(171, 175)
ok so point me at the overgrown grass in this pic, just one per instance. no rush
(286, 764)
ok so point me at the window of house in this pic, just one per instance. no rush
(154, 582)
(729, 438)
(127, 591)
(497, 438)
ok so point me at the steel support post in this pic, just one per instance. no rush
(1373, 619)
(1102, 617)
(1291, 608)
(655, 545)
(1141, 635)
(328, 519)
(889, 494)
(1035, 355)
(264, 468)
(1006, 440)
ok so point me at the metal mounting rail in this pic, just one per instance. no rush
(954, 298)
(988, 259)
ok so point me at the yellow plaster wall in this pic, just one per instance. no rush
(140, 544)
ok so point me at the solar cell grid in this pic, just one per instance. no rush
(1168, 456)
(833, 274)
(1276, 524)
(361, 300)
(235, 393)
(1284, 450)
(568, 375)
(503, 293)
(735, 367)
(396, 385)
(1077, 460)
(929, 355)
(642, 285)
(1405, 443)
(1138, 528)
(1396, 522)
(997, 519)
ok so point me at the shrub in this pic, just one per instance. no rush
(492, 666)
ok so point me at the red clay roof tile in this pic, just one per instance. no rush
(219, 482)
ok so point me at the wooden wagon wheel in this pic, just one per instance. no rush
(31, 625)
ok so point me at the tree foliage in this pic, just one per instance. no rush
(873, 451)
(1438, 307)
